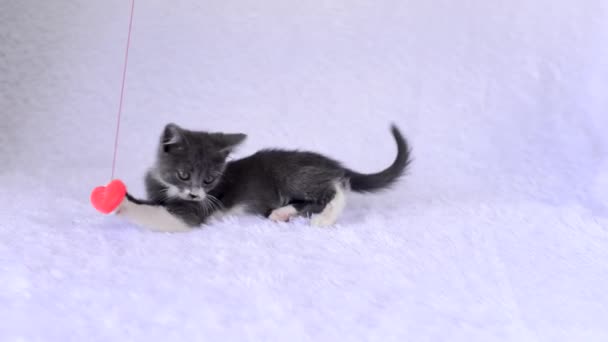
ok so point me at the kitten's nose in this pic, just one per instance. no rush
(193, 196)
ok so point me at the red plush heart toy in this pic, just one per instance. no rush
(107, 198)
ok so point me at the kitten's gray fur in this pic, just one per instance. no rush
(191, 178)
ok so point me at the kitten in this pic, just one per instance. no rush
(192, 181)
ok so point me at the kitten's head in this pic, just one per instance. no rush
(191, 163)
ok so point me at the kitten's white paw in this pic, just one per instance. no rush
(329, 216)
(283, 214)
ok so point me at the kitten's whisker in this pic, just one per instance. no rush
(213, 205)
(218, 204)
(205, 210)
(217, 200)
(164, 192)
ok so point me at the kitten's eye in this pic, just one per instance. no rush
(183, 175)
(209, 179)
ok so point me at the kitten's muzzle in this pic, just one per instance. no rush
(195, 194)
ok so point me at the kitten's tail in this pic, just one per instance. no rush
(383, 179)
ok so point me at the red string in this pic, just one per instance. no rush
(122, 89)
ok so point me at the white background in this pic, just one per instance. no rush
(498, 233)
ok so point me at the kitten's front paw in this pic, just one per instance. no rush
(283, 214)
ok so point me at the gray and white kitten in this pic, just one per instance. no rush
(192, 181)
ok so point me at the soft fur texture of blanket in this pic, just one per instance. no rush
(499, 233)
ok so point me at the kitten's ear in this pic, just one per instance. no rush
(227, 142)
(172, 137)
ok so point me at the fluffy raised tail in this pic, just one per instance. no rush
(383, 179)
